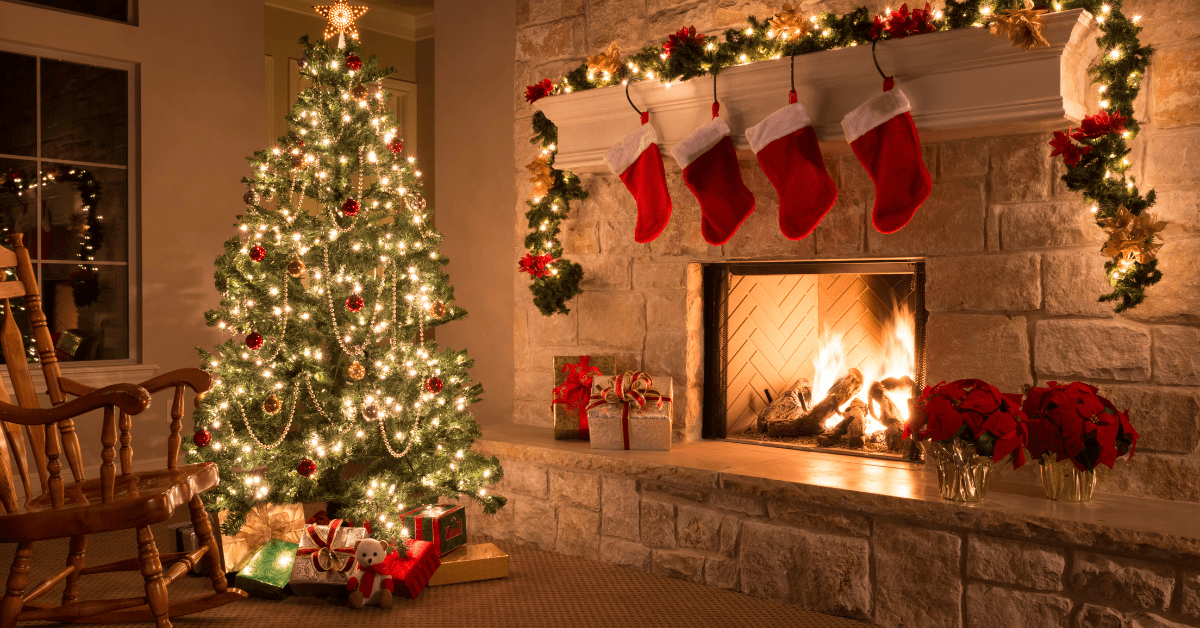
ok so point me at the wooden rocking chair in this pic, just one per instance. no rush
(111, 502)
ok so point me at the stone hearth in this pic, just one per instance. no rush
(872, 540)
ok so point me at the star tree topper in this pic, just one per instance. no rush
(340, 18)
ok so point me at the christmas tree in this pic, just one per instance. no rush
(328, 389)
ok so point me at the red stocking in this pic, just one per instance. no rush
(786, 147)
(884, 138)
(639, 163)
(710, 169)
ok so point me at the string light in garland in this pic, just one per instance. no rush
(1098, 174)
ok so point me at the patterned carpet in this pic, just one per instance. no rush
(543, 589)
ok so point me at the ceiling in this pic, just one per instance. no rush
(411, 7)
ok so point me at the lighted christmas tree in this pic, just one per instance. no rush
(328, 389)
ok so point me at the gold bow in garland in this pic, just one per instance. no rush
(630, 388)
(607, 61)
(1022, 26)
(1132, 237)
(543, 175)
(789, 23)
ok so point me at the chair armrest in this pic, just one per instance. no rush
(129, 398)
(196, 379)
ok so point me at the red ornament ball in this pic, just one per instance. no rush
(254, 340)
(354, 303)
(306, 468)
(353, 62)
(202, 438)
(396, 145)
(350, 207)
(433, 385)
(258, 253)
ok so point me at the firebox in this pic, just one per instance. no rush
(820, 355)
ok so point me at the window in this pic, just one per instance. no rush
(66, 184)
(116, 10)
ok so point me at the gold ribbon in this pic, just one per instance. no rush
(263, 523)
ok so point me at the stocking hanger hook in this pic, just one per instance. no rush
(639, 111)
(887, 80)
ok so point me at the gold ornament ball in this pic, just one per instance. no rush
(296, 267)
(438, 309)
(357, 371)
(416, 202)
(360, 93)
(371, 412)
(248, 197)
(298, 161)
(272, 405)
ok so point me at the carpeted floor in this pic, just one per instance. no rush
(542, 589)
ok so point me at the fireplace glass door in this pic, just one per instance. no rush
(814, 355)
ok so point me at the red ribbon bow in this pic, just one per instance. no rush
(576, 390)
(324, 556)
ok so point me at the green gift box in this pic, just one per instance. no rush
(268, 570)
(571, 398)
(444, 526)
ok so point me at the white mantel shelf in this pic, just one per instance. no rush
(964, 80)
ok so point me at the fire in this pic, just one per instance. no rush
(897, 360)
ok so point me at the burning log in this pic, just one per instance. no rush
(813, 421)
(792, 402)
(885, 411)
(852, 427)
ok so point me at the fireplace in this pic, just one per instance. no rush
(814, 355)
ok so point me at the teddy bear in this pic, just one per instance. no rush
(371, 580)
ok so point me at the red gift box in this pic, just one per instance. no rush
(413, 572)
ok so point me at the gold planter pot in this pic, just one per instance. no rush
(1064, 482)
(963, 475)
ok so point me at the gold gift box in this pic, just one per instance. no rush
(470, 563)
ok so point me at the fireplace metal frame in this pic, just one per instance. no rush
(716, 282)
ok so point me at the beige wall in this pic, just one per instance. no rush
(200, 99)
(473, 132)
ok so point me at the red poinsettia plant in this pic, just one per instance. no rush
(1073, 422)
(539, 90)
(536, 265)
(902, 23)
(976, 412)
(1090, 128)
(682, 37)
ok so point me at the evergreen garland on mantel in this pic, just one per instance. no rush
(1095, 154)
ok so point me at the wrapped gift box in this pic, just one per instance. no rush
(325, 558)
(186, 540)
(623, 425)
(444, 526)
(470, 563)
(268, 570)
(579, 369)
(263, 523)
(411, 573)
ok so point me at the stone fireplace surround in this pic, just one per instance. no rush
(1013, 273)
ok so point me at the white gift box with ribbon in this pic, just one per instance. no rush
(631, 411)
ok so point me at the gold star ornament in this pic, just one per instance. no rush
(340, 17)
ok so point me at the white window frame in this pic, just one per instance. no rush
(130, 369)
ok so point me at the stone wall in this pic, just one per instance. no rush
(1013, 258)
(886, 561)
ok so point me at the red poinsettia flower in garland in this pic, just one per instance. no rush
(1072, 421)
(976, 412)
(902, 23)
(538, 91)
(537, 265)
(681, 38)
(1070, 151)
(1100, 124)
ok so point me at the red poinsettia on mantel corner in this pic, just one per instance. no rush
(1073, 422)
(539, 90)
(902, 23)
